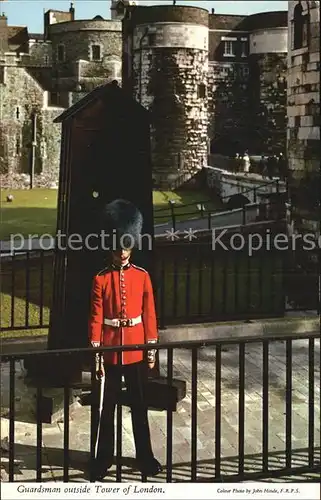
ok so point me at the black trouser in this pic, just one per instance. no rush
(135, 378)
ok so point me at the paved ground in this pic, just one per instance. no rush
(25, 451)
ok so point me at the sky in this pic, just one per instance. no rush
(30, 12)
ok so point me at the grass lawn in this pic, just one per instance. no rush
(34, 211)
(226, 287)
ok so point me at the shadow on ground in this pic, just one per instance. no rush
(227, 470)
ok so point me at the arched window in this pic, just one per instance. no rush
(300, 28)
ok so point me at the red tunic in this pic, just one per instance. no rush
(122, 293)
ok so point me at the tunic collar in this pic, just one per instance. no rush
(121, 268)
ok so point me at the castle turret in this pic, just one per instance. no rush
(268, 46)
(165, 67)
(118, 8)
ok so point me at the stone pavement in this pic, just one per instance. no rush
(25, 428)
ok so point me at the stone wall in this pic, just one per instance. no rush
(229, 128)
(303, 108)
(21, 96)
(267, 102)
(170, 90)
(78, 36)
(39, 53)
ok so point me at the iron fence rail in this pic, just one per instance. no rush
(312, 464)
(192, 284)
(179, 210)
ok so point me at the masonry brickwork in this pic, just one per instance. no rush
(21, 97)
(170, 66)
(204, 77)
(303, 110)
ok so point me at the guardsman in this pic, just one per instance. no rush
(123, 313)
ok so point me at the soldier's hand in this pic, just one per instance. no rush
(100, 372)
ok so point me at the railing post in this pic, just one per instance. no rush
(209, 218)
(172, 209)
(254, 195)
(277, 186)
(244, 215)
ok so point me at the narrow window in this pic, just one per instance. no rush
(243, 49)
(298, 26)
(201, 91)
(18, 145)
(95, 52)
(152, 39)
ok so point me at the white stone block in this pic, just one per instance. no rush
(311, 133)
(306, 121)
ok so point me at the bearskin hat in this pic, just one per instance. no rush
(124, 223)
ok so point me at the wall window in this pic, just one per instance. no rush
(54, 99)
(229, 48)
(244, 48)
(95, 52)
(152, 39)
(46, 59)
(2, 74)
(18, 145)
(61, 53)
(300, 28)
(17, 112)
(201, 91)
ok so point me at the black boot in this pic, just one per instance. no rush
(150, 467)
(100, 469)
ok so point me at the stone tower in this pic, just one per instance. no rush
(303, 109)
(268, 46)
(165, 67)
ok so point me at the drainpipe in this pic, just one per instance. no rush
(141, 63)
(33, 148)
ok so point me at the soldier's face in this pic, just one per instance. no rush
(121, 256)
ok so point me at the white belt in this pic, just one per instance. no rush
(116, 323)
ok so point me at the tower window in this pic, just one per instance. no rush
(61, 53)
(18, 146)
(95, 52)
(300, 28)
(201, 91)
(152, 39)
(17, 112)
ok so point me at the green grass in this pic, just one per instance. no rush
(241, 293)
(31, 212)
(35, 211)
(162, 212)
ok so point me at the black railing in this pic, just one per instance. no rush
(176, 211)
(193, 284)
(265, 368)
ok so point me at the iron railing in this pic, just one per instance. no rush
(268, 389)
(177, 211)
(193, 284)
